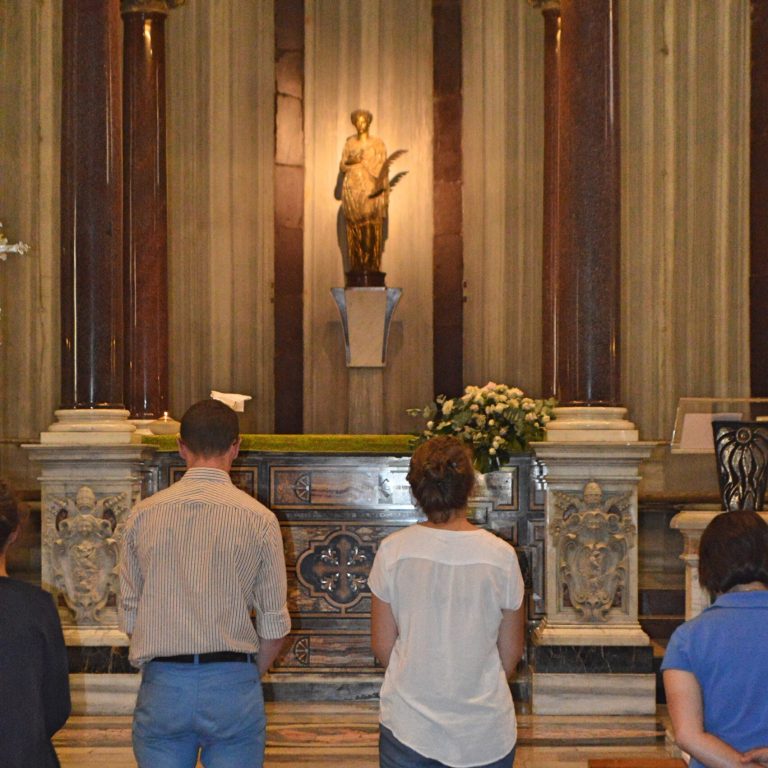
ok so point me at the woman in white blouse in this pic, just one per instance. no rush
(447, 623)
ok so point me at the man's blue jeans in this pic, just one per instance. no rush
(215, 708)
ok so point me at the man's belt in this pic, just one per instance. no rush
(208, 658)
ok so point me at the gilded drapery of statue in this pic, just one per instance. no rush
(365, 194)
(593, 537)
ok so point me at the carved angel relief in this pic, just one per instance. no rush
(592, 537)
(85, 551)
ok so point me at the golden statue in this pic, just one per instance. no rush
(365, 197)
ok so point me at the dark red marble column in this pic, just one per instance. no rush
(588, 267)
(146, 208)
(758, 199)
(289, 218)
(91, 206)
(550, 239)
(448, 242)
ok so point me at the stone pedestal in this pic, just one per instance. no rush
(366, 314)
(590, 653)
(691, 523)
(87, 492)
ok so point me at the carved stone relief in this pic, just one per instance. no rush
(85, 550)
(592, 537)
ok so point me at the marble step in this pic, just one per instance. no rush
(354, 725)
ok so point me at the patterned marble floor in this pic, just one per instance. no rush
(344, 734)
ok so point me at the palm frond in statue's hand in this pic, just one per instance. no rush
(396, 178)
(381, 180)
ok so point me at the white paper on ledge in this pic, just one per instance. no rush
(232, 399)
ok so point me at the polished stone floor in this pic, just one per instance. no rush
(344, 734)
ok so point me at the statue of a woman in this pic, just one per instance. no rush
(365, 194)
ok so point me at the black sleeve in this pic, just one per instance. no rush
(55, 692)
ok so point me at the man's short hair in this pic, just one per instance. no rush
(209, 428)
(733, 550)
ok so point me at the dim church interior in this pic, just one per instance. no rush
(679, 276)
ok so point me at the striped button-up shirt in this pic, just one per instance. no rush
(197, 560)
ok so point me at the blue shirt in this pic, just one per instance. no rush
(726, 648)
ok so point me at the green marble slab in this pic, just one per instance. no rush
(388, 445)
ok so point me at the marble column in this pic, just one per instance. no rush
(583, 254)
(145, 206)
(448, 179)
(289, 299)
(758, 198)
(587, 320)
(91, 207)
(550, 10)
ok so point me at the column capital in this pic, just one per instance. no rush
(149, 6)
(545, 5)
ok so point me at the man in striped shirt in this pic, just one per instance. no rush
(198, 560)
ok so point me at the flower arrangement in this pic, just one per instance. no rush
(495, 420)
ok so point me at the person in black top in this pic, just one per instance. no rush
(34, 681)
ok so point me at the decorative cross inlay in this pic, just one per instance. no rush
(337, 568)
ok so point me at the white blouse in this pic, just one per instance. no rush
(445, 694)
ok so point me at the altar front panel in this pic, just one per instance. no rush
(334, 510)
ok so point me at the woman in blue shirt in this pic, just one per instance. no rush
(716, 665)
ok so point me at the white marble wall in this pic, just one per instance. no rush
(375, 55)
(30, 66)
(503, 144)
(685, 249)
(684, 90)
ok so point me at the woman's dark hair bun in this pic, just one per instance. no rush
(441, 477)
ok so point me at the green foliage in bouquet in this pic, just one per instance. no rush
(494, 420)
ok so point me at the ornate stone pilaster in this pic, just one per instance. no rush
(86, 495)
(145, 221)
(590, 646)
(691, 524)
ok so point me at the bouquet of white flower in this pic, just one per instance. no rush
(494, 420)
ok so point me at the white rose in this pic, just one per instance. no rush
(447, 407)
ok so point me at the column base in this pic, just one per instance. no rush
(94, 636)
(90, 426)
(550, 633)
(574, 424)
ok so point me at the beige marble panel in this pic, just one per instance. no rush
(30, 78)
(596, 694)
(503, 188)
(220, 193)
(685, 142)
(376, 55)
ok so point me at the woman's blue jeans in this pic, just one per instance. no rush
(394, 754)
(216, 709)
